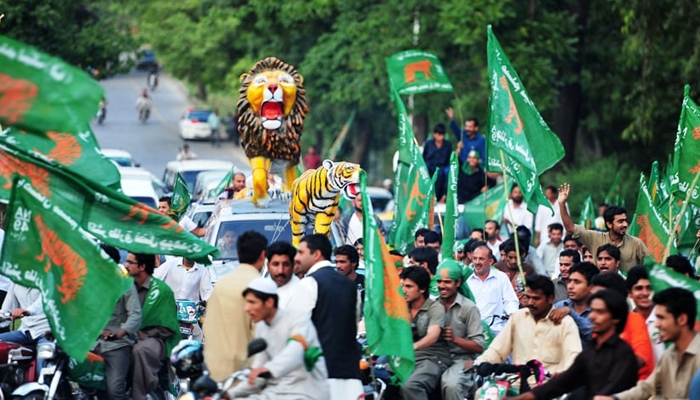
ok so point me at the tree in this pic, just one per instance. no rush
(83, 33)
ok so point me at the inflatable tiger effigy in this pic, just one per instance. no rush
(271, 110)
(315, 196)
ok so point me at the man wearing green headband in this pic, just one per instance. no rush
(463, 332)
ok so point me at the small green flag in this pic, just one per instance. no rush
(450, 224)
(413, 186)
(662, 277)
(652, 228)
(415, 71)
(653, 184)
(686, 158)
(180, 199)
(42, 93)
(47, 249)
(78, 153)
(517, 130)
(225, 182)
(588, 213)
(110, 216)
(480, 209)
(386, 312)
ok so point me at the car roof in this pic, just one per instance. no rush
(228, 209)
(115, 153)
(198, 165)
(379, 192)
(136, 173)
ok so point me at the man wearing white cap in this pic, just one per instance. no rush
(292, 365)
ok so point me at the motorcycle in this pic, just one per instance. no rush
(152, 81)
(195, 382)
(144, 113)
(496, 381)
(17, 363)
(374, 376)
(188, 315)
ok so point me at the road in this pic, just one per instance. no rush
(155, 143)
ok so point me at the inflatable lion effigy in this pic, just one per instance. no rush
(315, 196)
(271, 110)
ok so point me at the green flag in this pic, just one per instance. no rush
(652, 228)
(42, 93)
(46, 249)
(653, 184)
(180, 199)
(686, 159)
(662, 277)
(484, 207)
(613, 188)
(225, 182)
(588, 213)
(413, 186)
(386, 312)
(78, 153)
(450, 225)
(415, 71)
(110, 216)
(518, 136)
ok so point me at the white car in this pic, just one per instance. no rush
(195, 124)
(190, 169)
(141, 185)
(120, 157)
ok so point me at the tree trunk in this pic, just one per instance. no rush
(201, 91)
(570, 96)
(359, 153)
(533, 9)
(318, 133)
(420, 128)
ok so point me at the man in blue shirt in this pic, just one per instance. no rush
(436, 153)
(579, 288)
(470, 138)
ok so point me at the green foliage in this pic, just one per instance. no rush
(595, 178)
(83, 33)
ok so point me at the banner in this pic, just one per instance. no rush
(413, 186)
(415, 71)
(110, 216)
(180, 200)
(451, 222)
(662, 277)
(686, 158)
(387, 320)
(78, 153)
(42, 93)
(46, 249)
(515, 127)
(651, 227)
(485, 207)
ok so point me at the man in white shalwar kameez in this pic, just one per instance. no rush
(293, 359)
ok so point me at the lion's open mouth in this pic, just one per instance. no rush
(271, 114)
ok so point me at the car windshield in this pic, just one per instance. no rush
(201, 218)
(122, 161)
(191, 178)
(198, 115)
(379, 203)
(273, 230)
(146, 200)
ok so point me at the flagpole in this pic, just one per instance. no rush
(515, 228)
(679, 217)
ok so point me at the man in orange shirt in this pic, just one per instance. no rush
(635, 332)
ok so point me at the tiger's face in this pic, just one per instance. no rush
(344, 176)
(272, 95)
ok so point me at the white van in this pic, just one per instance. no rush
(141, 185)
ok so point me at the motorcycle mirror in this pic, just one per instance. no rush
(255, 346)
(204, 384)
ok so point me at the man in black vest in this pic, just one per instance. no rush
(330, 300)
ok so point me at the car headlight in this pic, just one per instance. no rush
(46, 351)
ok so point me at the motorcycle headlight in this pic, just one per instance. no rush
(46, 351)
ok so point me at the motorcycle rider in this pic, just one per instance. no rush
(144, 104)
(152, 79)
(26, 303)
(102, 110)
(293, 357)
(118, 337)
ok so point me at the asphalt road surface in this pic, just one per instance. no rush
(157, 141)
